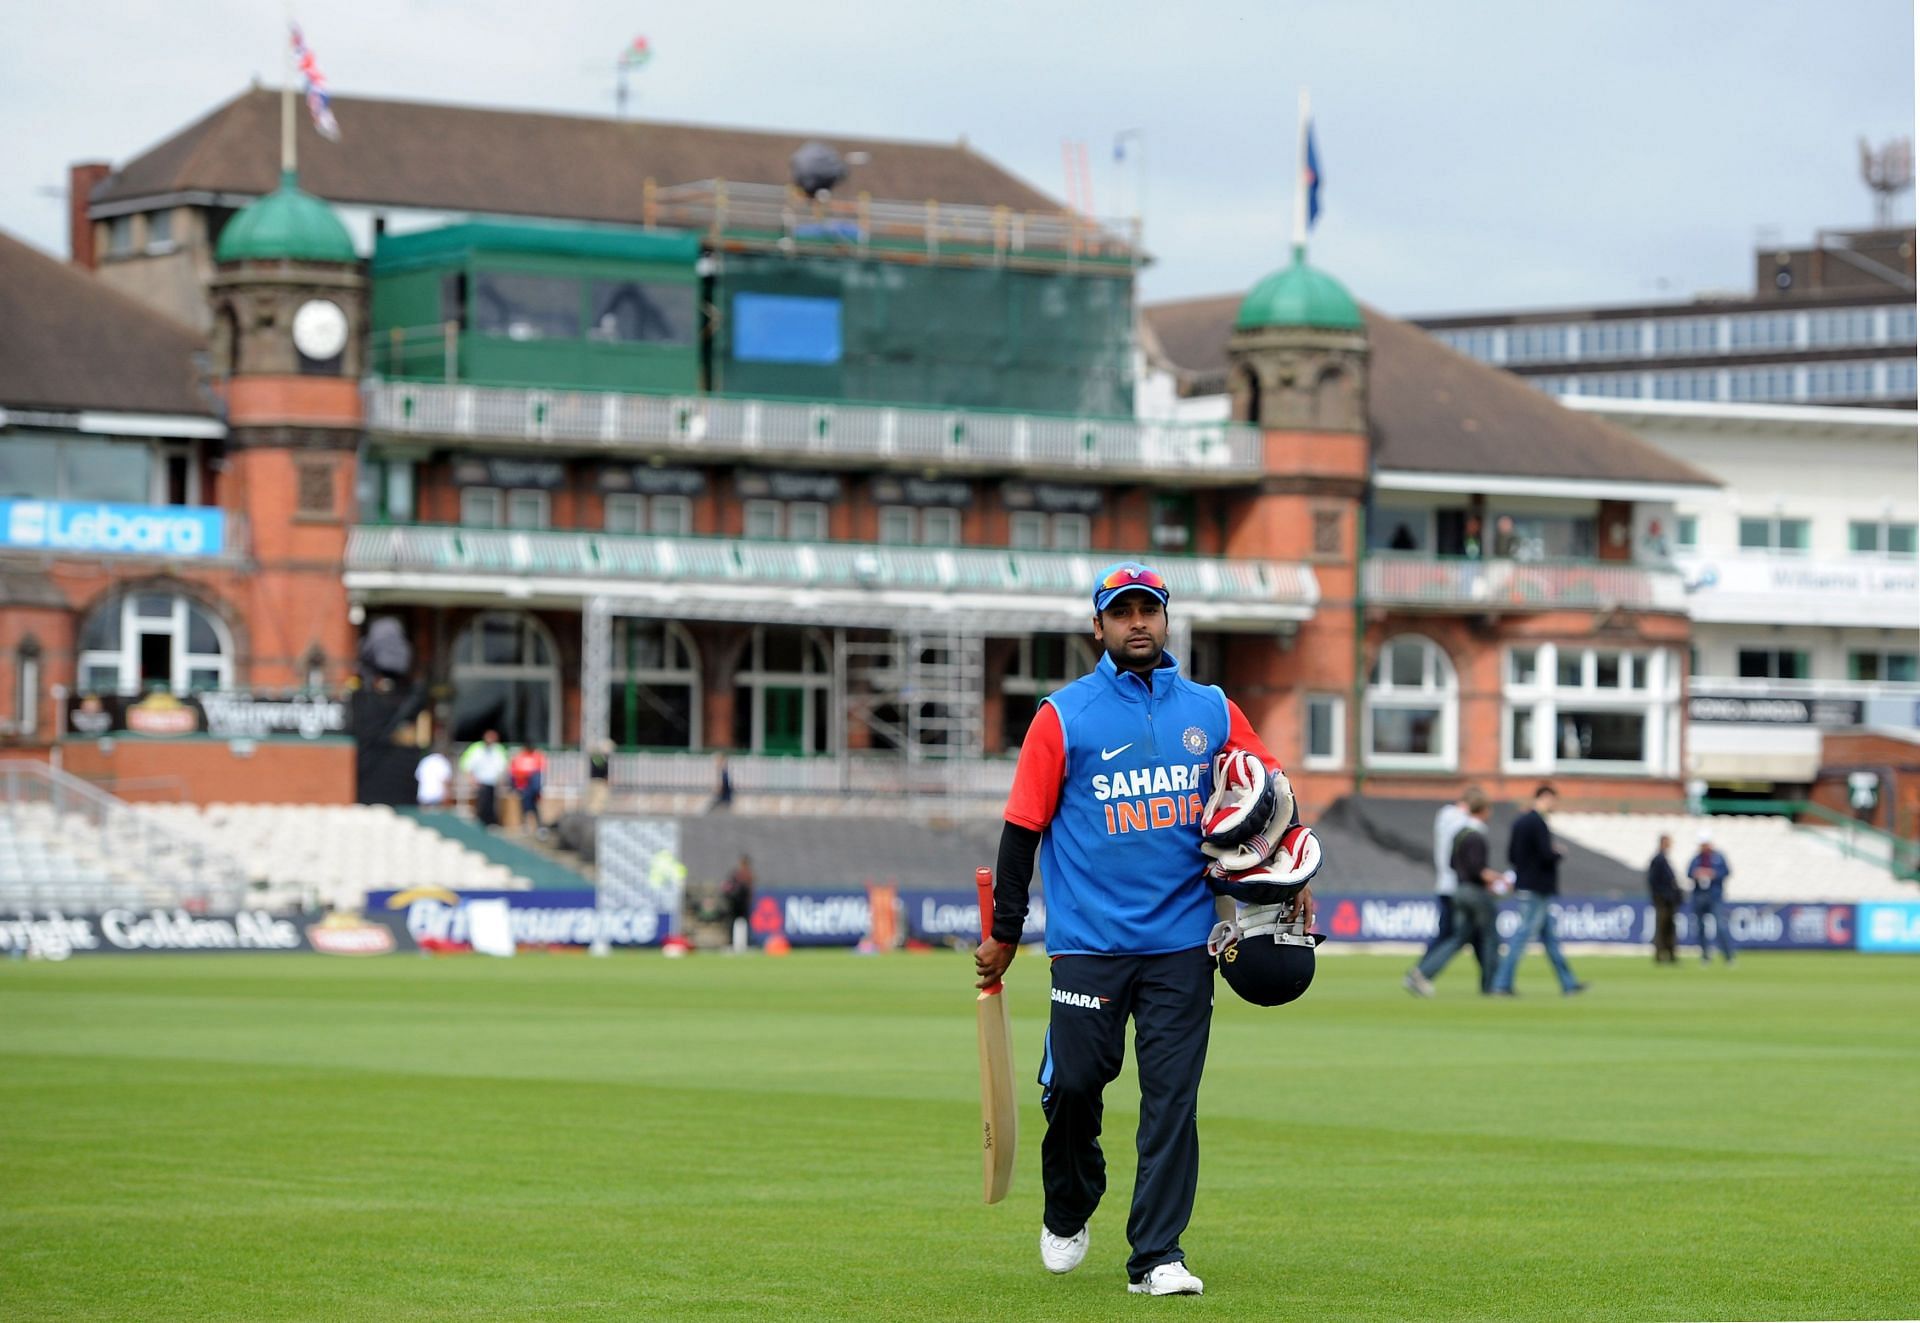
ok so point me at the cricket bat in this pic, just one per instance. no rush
(998, 1114)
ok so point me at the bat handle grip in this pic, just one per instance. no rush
(983, 887)
(983, 884)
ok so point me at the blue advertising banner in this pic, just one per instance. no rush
(93, 526)
(437, 919)
(1402, 918)
(811, 918)
(843, 918)
(1890, 926)
(940, 916)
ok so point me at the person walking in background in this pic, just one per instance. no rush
(599, 777)
(1663, 888)
(1473, 905)
(736, 899)
(1453, 815)
(529, 772)
(1535, 858)
(431, 777)
(485, 763)
(722, 785)
(1709, 873)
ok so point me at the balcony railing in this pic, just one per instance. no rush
(726, 427)
(1727, 686)
(1279, 589)
(875, 774)
(1460, 584)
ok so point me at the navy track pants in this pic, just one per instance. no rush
(1170, 1000)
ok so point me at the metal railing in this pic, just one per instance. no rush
(880, 775)
(856, 565)
(126, 851)
(1728, 686)
(716, 426)
(1899, 855)
(771, 212)
(1468, 584)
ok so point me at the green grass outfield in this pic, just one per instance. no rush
(554, 1137)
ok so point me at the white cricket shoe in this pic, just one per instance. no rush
(1062, 1253)
(1167, 1279)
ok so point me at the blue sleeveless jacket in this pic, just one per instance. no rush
(1120, 862)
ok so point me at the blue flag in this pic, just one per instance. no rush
(1312, 180)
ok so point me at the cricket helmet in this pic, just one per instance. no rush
(1269, 971)
(1269, 959)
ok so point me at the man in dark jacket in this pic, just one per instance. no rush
(1474, 907)
(1535, 860)
(1664, 890)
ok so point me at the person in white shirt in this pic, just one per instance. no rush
(1448, 823)
(432, 775)
(485, 762)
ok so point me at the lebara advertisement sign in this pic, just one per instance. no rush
(1890, 926)
(103, 529)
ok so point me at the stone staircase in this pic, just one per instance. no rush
(541, 867)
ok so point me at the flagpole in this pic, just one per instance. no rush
(1300, 183)
(288, 166)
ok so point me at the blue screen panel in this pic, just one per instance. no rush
(780, 328)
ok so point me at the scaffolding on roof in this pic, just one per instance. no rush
(769, 216)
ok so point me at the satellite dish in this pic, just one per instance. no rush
(817, 168)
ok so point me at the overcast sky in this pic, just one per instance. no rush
(1477, 154)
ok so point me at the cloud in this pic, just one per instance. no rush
(1477, 153)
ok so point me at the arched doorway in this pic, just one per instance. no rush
(154, 640)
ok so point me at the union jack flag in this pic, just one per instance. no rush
(319, 104)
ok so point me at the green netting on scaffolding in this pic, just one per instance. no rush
(989, 338)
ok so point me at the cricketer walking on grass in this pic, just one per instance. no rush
(1112, 790)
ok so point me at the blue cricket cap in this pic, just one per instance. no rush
(1125, 577)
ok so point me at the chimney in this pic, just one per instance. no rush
(81, 179)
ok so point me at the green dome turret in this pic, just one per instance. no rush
(286, 225)
(1298, 295)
